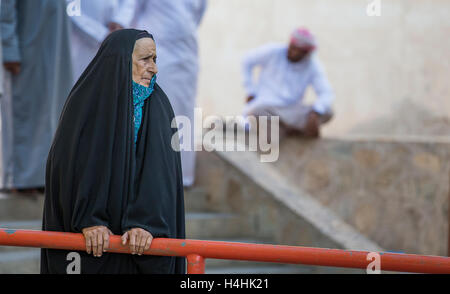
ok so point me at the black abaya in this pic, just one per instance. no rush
(94, 177)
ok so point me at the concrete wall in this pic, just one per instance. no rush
(396, 192)
(373, 63)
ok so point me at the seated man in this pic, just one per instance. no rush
(286, 72)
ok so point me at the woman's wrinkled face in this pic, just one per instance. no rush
(144, 61)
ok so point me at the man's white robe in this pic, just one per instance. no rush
(174, 24)
(90, 28)
(36, 34)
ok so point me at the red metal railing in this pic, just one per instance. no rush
(197, 251)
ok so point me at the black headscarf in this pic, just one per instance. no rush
(95, 177)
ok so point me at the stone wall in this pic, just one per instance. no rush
(395, 191)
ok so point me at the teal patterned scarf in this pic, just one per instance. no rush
(140, 93)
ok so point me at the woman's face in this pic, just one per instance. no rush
(144, 61)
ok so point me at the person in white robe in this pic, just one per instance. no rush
(38, 75)
(174, 25)
(286, 71)
(97, 18)
(1, 67)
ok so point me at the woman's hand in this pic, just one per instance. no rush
(97, 239)
(12, 67)
(140, 240)
(114, 26)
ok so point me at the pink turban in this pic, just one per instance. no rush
(301, 37)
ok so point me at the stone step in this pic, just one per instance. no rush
(13, 206)
(20, 261)
(262, 269)
(280, 269)
(21, 207)
(21, 225)
(196, 199)
(209, 225)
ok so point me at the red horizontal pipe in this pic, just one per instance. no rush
(237, 251)
(195, 264)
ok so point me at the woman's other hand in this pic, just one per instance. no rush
(97, 239)
(139, 240)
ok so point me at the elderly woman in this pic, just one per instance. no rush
(111, 168)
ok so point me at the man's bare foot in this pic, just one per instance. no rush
(293, 132)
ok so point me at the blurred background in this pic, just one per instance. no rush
(378, 177)
(389, 72)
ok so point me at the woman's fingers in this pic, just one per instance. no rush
(94, 243)
(105, 240)
(133, 242)
(124, 238)
(99, 243)
(97, 240)
(148, 243)
(144, 238)
(139, 240)
(87, 237)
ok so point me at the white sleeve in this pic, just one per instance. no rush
(125, 12)
(256, 57)
(8, 27)
(92, 28)
(322, 87)
(201, 11)
(1, 59)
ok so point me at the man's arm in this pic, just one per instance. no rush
(256, 57)
(322, 87)
(201, 11)
(322, 105)
(92, 28)
(125, 12)
(10, 38)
